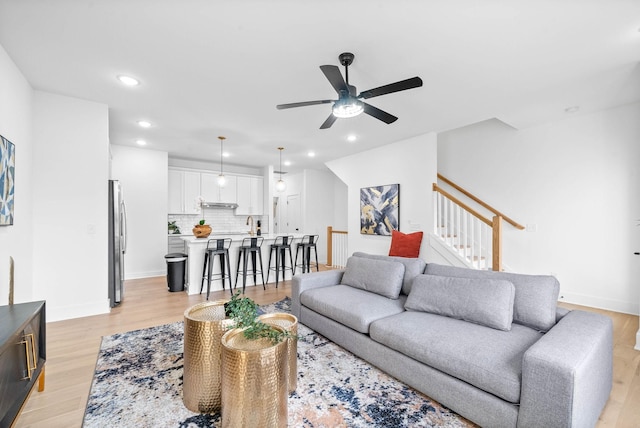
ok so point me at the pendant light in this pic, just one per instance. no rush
(281, 185)
(222, 180)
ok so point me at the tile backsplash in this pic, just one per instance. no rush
(220, 220)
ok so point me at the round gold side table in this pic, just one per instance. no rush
(289, 323)
(204, 325)
(254, 382)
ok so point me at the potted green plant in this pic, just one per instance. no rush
(201, 229)
(243, 311)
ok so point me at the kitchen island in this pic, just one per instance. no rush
(195, 249)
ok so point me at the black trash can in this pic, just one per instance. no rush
(176, 263)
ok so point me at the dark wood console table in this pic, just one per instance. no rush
(22, 356)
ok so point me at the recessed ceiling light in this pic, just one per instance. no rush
(287, 163)
(352, 138)
(225, 154)
(572, 109)
(128, 80)
(144, 123)
(141, 142)
(311, 154)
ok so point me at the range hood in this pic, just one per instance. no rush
(225, 205)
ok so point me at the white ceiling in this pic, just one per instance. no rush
(219, 67)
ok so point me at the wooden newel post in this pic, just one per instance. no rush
(497, 243)
(329, 246)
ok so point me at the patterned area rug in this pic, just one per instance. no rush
(138, 383)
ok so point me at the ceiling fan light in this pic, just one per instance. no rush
(346, 108)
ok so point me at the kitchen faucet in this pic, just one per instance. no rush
(251, 231)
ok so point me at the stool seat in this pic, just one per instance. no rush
(220, 248)
(250, 246)
(307, 244)
(280, 246)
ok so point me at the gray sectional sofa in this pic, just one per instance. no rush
(492, 346)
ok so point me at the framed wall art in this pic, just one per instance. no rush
(7, 176)
(379, 209)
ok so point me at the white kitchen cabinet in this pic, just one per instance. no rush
(184, 188)
(250, 195)
(175, 244)
(212, 192)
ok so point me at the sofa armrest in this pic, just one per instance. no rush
(567, 375)
(307, 281)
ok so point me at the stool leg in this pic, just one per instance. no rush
(244, 271)
(315, 250)
(211, 261)
(296, 265)
(277, 266)
(253, 263)
(282, 259)
(293, 267)
(238, 268)
(264, 287)
(228, 270)
(204, 270)
(222, 269)
(269, 263)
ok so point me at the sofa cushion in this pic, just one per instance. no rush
(487, 302)
(536, 295)
(412, 267)
(405, 244)
(382, 277)
(350, 306)
(486, 358)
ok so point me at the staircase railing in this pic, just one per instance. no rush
(337, 249)
(471, 234)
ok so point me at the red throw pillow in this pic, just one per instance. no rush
(405, 245)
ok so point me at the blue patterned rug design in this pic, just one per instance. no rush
(138, 383)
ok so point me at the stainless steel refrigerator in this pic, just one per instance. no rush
(117, 242)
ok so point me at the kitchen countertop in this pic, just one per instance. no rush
(236, 237)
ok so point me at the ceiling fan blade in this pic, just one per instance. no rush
(332, 73)
(303, 104)
(403, 85)
(327, 123)
(379, 114)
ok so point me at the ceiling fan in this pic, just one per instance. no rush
(348, 103)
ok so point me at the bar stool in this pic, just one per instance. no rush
(216, 247)
(250, 246)
(307, 244)
(280, 246)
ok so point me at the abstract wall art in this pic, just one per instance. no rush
(379, 209)
(7, 176)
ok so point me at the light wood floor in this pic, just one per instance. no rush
(73, 345)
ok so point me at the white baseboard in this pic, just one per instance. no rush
(150, 274)
(85, 309)
(599, 302)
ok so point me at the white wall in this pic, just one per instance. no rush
(16, 104)
(340, 204)
(70, 173)
(577, 181)
(318, 209)
(413, 164)
(143, 174)
(319, 204)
